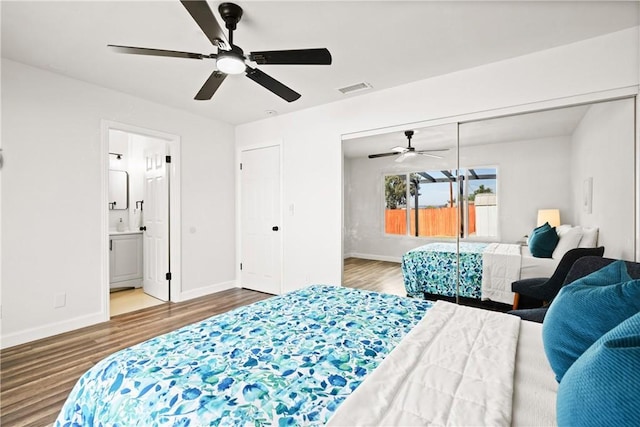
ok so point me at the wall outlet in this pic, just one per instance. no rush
(60, 300)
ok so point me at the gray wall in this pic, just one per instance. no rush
(603, 149)
(529, 173)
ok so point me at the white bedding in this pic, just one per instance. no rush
(536, 267)
(504, 263)
(500, 267)
(535, 386)
(456, 367)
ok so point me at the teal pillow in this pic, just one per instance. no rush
(536, 231)
(585, 310)
(543, 240)
(602, 388)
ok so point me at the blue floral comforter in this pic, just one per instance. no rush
(432, 268)
(288, 360)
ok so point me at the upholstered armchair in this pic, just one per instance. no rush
(542, 290)
(582, 267)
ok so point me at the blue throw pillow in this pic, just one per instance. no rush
(602, 388)
(585, 310)
(543, 241)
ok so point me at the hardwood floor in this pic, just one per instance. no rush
(379, 276)
(36, 378)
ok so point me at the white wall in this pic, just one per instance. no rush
(531, 175)
(119, 143)
(52, 205)
(312, 138)
(603, 150)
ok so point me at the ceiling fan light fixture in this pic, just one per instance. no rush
(230, 62)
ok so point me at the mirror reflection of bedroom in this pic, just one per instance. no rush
(430, 217)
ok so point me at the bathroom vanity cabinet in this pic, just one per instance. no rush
(125, 259)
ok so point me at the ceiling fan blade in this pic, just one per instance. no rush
(401, 158)
(432, 151)
(294, 57)
(422, 153)
(272, 84)
(202, 14)
(210, 86)
(156, 52)
(399, 149)
(374, 156)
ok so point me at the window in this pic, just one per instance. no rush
(426, 204)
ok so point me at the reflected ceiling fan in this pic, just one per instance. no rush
(408, 151)
(231, 59)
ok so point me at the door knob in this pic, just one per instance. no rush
(143, 228)
(275, 228)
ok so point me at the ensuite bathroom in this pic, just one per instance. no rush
(126, 206)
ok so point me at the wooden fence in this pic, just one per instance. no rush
(432, 222)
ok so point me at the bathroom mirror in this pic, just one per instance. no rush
(118, 190)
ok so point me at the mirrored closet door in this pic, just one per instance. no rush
(564, 179)
(457, 204)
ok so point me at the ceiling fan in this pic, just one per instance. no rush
(408, 151)
(231, 59)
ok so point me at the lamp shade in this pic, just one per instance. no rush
(552, 216)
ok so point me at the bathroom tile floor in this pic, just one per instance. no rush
(129, 300)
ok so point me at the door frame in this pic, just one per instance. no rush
(175, 206)
(239, 151)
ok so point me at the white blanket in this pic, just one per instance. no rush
(456, 367)
(500, 267)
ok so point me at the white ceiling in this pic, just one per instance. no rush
(517, 128)
(384, 43)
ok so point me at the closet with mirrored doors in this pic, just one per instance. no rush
(454, 205)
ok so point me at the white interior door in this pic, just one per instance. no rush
(156, 223)
(260, 220)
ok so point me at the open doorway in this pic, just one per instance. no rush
(143, 199)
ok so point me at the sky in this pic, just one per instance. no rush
(437, 194)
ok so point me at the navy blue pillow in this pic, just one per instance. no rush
(585, 310)
(543, 240)
(602, 388)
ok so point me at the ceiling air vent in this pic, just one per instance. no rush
(355, 88)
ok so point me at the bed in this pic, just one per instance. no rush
(431, 268)
(486, 269)
(313, 356)
(291, 359)
(536, 267)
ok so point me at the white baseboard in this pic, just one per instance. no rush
(136, 283)
(28, 335)
(206, 290)
(50, 330)
(374, 257)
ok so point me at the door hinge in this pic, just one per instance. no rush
(240, 166)
(240, 266)
(167, 159)
(168, 276)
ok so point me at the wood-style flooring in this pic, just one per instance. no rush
(36, 378)
(379, 276)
